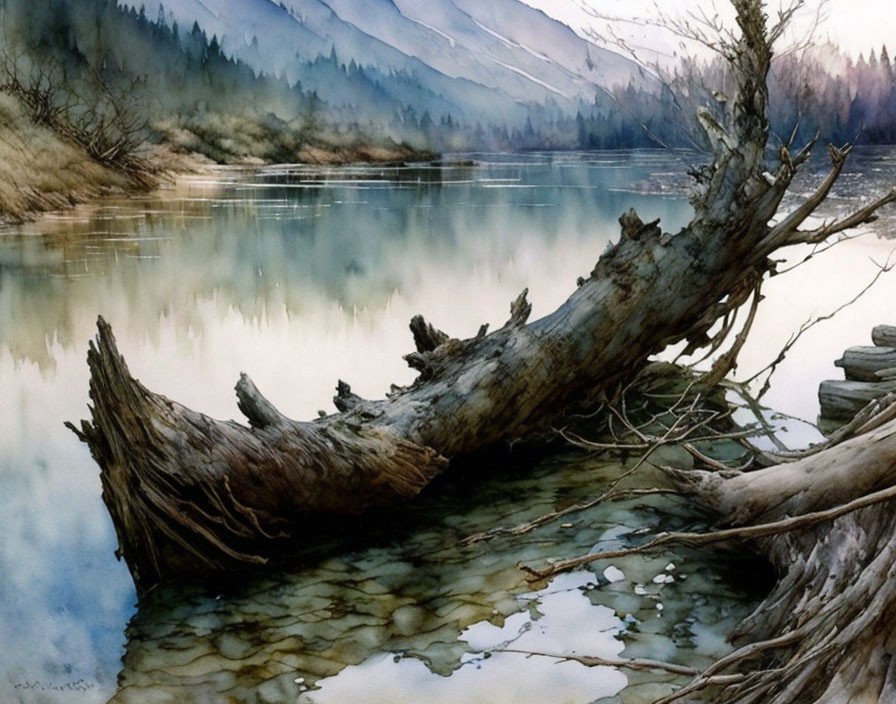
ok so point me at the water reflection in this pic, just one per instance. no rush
(298, 240)
(301, 276)
(390, 616)
(242, 271)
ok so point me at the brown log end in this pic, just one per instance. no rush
(190, 495)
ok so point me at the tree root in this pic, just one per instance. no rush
(825, 633)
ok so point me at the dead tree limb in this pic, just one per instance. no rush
(837, 583)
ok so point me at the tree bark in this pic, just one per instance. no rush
(864, 363)
(827, 632)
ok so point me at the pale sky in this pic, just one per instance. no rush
(856, 25)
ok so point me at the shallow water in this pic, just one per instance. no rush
(299, 277)
(409, 605)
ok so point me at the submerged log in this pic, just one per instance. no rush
(864, 363)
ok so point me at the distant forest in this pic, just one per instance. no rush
(819, 92)
(99, 64)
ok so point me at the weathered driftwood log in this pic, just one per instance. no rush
(841, 400)
(884, 335)
(827, 632)
(189, 494)
(864, 363)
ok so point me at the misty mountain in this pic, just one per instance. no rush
(491, 63)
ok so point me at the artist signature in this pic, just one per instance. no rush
(38, 686)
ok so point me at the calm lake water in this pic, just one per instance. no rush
(303, 276)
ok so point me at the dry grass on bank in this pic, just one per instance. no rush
(40, 172)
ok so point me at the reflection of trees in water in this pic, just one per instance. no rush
(304, 240)
(411, 589)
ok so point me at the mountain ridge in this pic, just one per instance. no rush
(466, 65)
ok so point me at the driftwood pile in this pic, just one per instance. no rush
(870, 375)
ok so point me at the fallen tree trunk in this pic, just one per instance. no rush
(827, 632)
(189, 494)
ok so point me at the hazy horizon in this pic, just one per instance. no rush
(841, 24)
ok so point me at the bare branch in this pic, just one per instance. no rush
(628, 663)
(860, 217)
(781, 233)
(752, 532)
(727, 362)
(808, 325)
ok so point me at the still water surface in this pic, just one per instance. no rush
(300, 277)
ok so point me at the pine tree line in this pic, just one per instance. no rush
(97, 62)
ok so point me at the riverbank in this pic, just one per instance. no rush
(40, 172)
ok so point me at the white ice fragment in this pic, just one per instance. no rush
(659, 607)
(299, 680)
(663, 579)
(640, 590)
(613, 574)
(670, 567)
